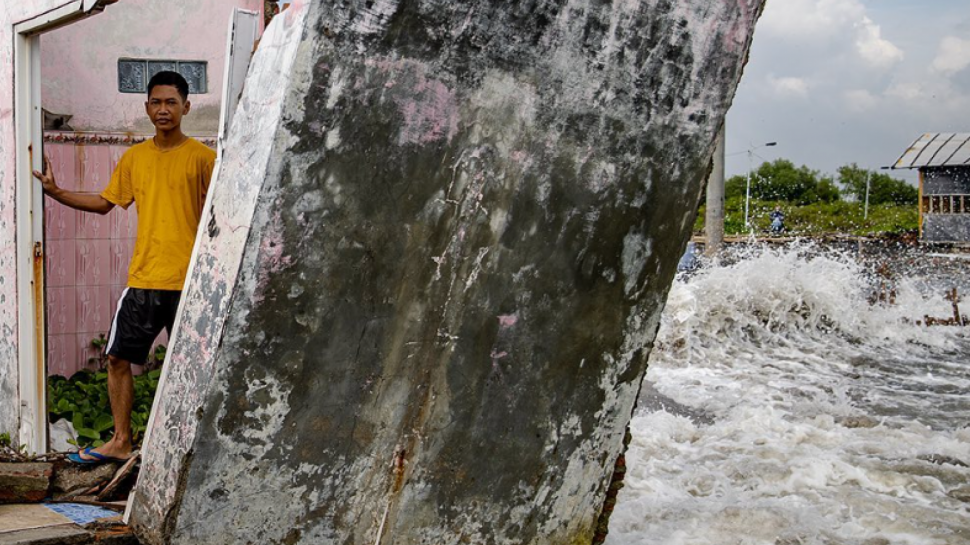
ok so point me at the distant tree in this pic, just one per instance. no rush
(734, 187)
(825, 191)
(781, 180)
(883, 189)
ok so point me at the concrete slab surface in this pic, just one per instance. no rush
(27, 516)
(40, 524)
(68, 534)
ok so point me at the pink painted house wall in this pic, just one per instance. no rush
(80, 61)
(87, 257)
(87, 254)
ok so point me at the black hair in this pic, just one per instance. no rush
(167, 77)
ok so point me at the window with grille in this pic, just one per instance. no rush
(946, 204)
(134, 74)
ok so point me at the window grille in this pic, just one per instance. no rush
(946, 204)
(134, 74)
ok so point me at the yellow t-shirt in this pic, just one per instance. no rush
(169, 188)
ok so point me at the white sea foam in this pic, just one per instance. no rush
(784, 409)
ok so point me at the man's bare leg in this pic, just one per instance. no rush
(121, 393)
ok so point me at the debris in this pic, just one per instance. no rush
(71, 481)
(24, 482)
(126, 470)
(960, 494)
(956, 320)
(886, 290)
(855, 422)
(941, 459)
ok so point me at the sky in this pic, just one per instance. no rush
(835, 82)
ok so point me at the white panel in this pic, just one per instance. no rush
(243, 29)
(230, 206)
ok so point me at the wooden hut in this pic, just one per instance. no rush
(943, 161)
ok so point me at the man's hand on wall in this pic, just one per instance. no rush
(47, 177)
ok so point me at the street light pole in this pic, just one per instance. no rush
(865, 215)
(747, 190)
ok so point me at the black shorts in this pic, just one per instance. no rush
(141, 316)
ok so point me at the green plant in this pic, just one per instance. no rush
(99, 343)
(156, 358)
(5, 440)
(83, 399)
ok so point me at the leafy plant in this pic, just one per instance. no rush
(83, 399)
(99, 344)
(156, 358)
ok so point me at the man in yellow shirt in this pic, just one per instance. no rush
(167, 178)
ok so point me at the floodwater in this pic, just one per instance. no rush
(782, 408)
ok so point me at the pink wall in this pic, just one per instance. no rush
(80, 62)
(87, 256)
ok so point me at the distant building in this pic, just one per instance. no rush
(943, 161)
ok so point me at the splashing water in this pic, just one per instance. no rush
(782, 408)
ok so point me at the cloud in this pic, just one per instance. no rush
(953, 56)
(839, 24)
(907, 91)
(810, 19)
(860, 100)
(788, 87)
(843, 81)
(873, 48)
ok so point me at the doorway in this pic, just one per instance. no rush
(72, 266)
(31, 292)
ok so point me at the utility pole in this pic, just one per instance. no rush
(714, 218)
(747, 185)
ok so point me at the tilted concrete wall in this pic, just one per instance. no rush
(433, 268)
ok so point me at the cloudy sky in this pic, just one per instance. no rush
(851, 81)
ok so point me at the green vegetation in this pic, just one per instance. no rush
(883, 189)
(814, 205)
(83, 399)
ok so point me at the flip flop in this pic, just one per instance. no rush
(98, 458)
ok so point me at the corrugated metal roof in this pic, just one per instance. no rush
(937, 150)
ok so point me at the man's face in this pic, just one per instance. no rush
(165, 107)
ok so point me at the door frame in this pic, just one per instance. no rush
(29, 198)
